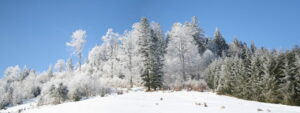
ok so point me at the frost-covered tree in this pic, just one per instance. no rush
(96, 58)
(213, 73)
(256, 76)
(291, 80)
(252, 47)
(128, 52)
(151, 46)
(69, 65)
(60, 65)
(197, 33)
(111, 46)
(226, 82)
(182, 57)
(59, 93)
(297, 76)
(157, 49)
(13, 73)
(144, 41)
(272, 76)
(18, 85)
(130, 56)
(50, 72)
(77, 42)
(235, 49)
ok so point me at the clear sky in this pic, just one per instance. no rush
(34, 32)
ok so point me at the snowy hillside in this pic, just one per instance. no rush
(162, 102)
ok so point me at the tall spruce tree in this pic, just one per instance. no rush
(290, 79)
(270, 69)
(197, 34)
(157, 50)
(220, 45)
(144, 50)
(297, 99)
(150, 45)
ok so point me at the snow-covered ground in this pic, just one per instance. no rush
(161, 102)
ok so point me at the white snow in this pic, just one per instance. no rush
(163, 102)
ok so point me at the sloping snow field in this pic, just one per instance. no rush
(164, 102)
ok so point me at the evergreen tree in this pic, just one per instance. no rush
(256, 77)
(291, 79)
(271, 70)
(197, 34)
(225, 83)
(59, 93)
(157, 50)
(144, 49)
(252, 47)
(150, 51)
(297, 81)
(219, 43)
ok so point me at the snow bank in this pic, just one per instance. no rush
(165, 102)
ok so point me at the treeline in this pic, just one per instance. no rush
(182, 58)
(141, 56)
(257, 74)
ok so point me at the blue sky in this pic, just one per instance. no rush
(34, 32)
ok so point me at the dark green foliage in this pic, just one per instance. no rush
(77, 95)
(36, 91)
(220, 45)
(198, 35)
(259, 74)
(290, 87)
(59, 93)
(151, 48)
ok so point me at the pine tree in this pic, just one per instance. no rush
(297, 81)
(144, 49)
(197, 34)
(219, 43)
(150, 50)
(290, 80)
(271, 69)
(59, 93)
(252, 47)
(256, 77)
(157, 50)
(239, 77)
(226, 81)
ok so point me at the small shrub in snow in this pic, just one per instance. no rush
(77, 95)
(198, 103)
(120, 92)
(205, 105)
(196, 85)
(60, 93)
(222, 107)
(3, 104)
(36, 91)
(54, 95)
